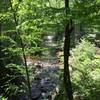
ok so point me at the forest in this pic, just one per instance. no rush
(49, 49)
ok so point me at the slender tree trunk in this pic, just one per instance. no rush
(23, 52)
(0, 28)
(68, 30)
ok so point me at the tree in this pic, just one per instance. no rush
(68, 30)
(23, 50)
(8, 44)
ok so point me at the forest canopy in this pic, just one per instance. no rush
(49, 49)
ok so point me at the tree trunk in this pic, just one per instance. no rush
(68, 30)
(0, 28)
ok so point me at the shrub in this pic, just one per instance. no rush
(12, 80)
(85, 74)
(85, 63)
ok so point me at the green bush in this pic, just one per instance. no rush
(2, 98)
(85, 72)
(85, 63)
(12, 80)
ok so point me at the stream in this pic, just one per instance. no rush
(46, 81)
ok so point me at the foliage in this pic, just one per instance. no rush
(2, 98)
(38, 18)
(61, 94)
(85, 63)
(85, 68)
(12, 80)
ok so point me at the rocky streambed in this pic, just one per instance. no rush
(45, 84)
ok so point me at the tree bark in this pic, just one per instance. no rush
(68, 30)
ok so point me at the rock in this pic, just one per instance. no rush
(36, 93)
(45, 95)
(38, 64)
(43, 89)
